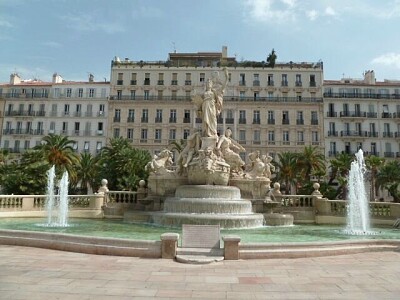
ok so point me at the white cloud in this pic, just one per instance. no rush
(312, 14)
(87, 22)
(271, 10)
(388, 59)
(329, 11)
(5, 23)
(52, 44)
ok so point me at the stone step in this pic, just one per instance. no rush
(199, 255)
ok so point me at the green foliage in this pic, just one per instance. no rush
(271, 59)
(389, 177)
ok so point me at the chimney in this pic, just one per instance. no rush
(224, 51)
(15, 79)
(57, 78)
(369, 77)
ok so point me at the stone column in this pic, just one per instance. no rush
(27, 203)
(97, 201)
(231, 247)
(169, 245)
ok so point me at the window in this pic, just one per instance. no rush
(298, 80)
(53, 110)
(100, 128)
(186, 133)
(143, 135)
(129, 133)
(64, 128)
(242, 117)
(116, 132)
(160, 94)
(202, 77)
(284, 80)
(174, 95)
(146, 95)
(91, 93)
(117, 115)
(99, 145)
(77, 127)
(145, 115)
(68, 92)
(160, 79)
(242, 136)
(172, 134)
(80, 93)
(133, 94)
(119, 94)
(131, 115)
(300, 137)
(314, 118)
(66, 110)
(157, 135)
(147, 79)
(256, 137)
(285, 137)
(300, 118)
(56, 93)
(89, 110)
(158, 116)
(242, 95)
(188, 80)
(133, 79)
(172, 116)
(271, 137)
(26, 144)
(52, 128)
(256, 80)
(101, 109)
(270, 80)
(285, 117)
(256, 117)
(186, 116)
(315, 136)
(86, 146)
(120, 80)
(242, 79)
(174, 80)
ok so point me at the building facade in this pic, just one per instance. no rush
(362, 114)
(270, 109)
(33, 109)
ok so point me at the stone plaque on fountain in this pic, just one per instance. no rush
(200, 236)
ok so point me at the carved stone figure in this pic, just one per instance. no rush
(209, 105)
(229, 148)
(186, 156)
(161, 163)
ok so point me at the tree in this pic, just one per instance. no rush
(373, 163)
(271, 58)
(125, 163)
(87, 173)
(340, 167)
(287, 169)
(57, 150)
(310, 162)
(389, 177)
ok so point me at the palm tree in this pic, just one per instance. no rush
(87, 171)
(311, 161)
(389, 177)
(271, 58)
(287, 169)
(373, 163)
(340, 167)
(57, 150)
(127, 164)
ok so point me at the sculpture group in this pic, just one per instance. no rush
(208, 158)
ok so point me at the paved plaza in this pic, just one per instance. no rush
(32, 273)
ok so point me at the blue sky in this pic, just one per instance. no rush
(77, 37)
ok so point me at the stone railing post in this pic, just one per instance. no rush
(231, 247)
(322, 206)
(97, 201)
(28, 203)
(395, 210)
(169, 245)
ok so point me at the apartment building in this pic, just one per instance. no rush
(362, 113)
(33, 109)
(270, 109)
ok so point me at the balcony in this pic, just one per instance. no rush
(158, 120)
(332, 133)
(145, 120)
(298, 83)
(361, 95)
(133, 82)
(117, 119)
(284, 83)
(388, 154)
(186, 120)
(313, 84)
(188, 82)
(229, 121)
(256, 121)
(388, 134)
(300, 122)
(314, 122)
(146, 81)
(353, 133)
(332, 153)
(373, 134)
(130, 119)
(198, 120)
(242, 83)
(353, 114)
(242, 120)
(174, 82)
(270, 83)
(256, 82)
(285, 122)
(372, 115)
(172, 119)
(271, 121)
(160, 82)
(386, 115)
(331, 114)
(120, 82)
(220, 120)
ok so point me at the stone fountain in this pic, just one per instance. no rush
(210, 177)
